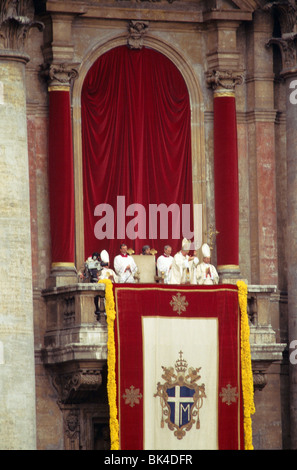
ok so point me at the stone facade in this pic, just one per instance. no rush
(207, 41)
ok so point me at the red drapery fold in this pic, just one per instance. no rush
(137, 145)
(61, 182)
(226, 180)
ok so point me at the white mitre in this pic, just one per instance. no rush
(205, 250)
(186, 244)
(104, 256)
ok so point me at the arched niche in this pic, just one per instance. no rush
(197, 128)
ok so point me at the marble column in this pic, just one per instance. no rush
(17, 367)
(61, 176)
(226, 173)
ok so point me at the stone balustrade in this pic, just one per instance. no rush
(76, 331)
(265, 349)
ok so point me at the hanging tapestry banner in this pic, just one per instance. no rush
(177, 367)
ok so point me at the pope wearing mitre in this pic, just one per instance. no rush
(183, 265)
(206, 273)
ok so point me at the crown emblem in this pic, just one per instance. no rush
(181, 364)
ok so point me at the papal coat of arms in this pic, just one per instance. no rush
(181, 397)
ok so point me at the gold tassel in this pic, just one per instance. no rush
(198, 423)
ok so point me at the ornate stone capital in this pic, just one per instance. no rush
(137, 30)
(287, 46)
(59, 74)
(223, 79)
(286, 13)
(16, 20)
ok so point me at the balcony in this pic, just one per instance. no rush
(75, 343)
(75, 353)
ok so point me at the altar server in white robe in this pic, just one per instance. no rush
(125, 266)
(206, 273)
(107, 272)
(184, 266)
(164, 263)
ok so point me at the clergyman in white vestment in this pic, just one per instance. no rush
(107, 272)
(125, 266)
(164, 263)
(206, 273)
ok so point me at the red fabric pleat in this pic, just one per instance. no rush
(226, 181)
(136, 143)
(61, 183)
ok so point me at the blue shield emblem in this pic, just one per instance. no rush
(180, 397)
(180, 401)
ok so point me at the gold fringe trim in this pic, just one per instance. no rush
(111, 361)
(246, 367)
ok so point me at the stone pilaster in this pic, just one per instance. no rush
(260, 121)
(17, 368)
(287, 43)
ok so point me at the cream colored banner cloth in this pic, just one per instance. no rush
(176, 351)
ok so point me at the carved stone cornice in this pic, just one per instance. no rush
(59, 74)
(223, 79)
(16, 20)
(137, 30)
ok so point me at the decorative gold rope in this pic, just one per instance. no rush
(246, 367)
(111, 361)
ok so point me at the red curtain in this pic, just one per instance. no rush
(136, 144)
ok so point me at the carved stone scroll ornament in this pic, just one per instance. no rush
(71, 386)
(16, 20)
(58, 74)
(223, 79)
(259, 380)
(137, 30)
